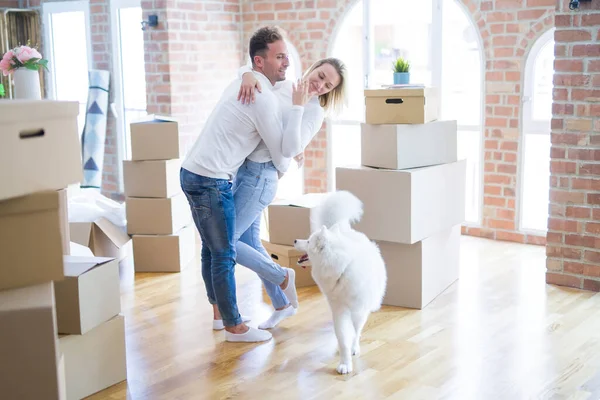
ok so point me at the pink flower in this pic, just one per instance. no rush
(6, 62)
(25, 53)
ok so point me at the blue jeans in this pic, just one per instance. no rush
(254, 188)
(211, 202)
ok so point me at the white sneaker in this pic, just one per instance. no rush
(277, 317)
(218, 323)
(290, 290)
(251, 335)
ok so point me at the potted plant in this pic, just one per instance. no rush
(24, 63)
(401, 71)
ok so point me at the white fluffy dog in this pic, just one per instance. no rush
(347, 267)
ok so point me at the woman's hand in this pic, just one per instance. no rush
(300, 94)
(300, 159)
(246, 93)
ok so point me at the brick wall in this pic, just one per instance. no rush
(573, 241)
(190, 58)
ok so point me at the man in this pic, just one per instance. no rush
(231, 133)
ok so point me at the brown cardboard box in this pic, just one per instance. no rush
(39, 146)
(164, 253)
(146, 216)
(287, 256)
(419, 272)
(95, 361)
(104, 238)
(402, 106)
(151, 178)
(402, 146)
(63, 213)
(156, 139)
(406, 206)
(30, 240)
(30, 358)
(290, 219)
(89, 295)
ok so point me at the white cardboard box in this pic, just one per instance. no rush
(31, 250)
(39, 146)
(290, 219)
(89, 295)
(164, 253)
(404, 146)
(151, 178)
(148, 216)
(420, 272)
(29, 355)
(155, 139)
(95, 361)
(406, 206)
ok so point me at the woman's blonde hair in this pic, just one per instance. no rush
(336, 98)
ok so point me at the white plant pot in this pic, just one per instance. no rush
(27, 84)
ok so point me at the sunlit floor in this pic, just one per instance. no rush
(498, 333)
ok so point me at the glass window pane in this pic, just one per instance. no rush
(132, 68)
(461, 96)
(345, 140)
(68, 30)
(402, 28)
(536, 182)
(542, 83)
(349, 48)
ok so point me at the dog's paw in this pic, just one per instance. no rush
(356, 350)
(344, 368)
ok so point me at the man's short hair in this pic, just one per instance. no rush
(260, 40)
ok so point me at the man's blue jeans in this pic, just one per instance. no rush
(254, 188)
(211, 202)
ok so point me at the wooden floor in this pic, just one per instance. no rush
(498, 333)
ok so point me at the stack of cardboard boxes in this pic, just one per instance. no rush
(413, 190)
(158, 213)
(39, 158)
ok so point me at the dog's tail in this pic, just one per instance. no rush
(340, 206)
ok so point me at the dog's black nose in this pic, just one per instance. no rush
(295, 241)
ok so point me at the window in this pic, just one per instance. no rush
(445, 51)
(129, 71)
(68, 50)
(535, 138)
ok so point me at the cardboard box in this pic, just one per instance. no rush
(95, 361)
(39, 146)
(164, 253)
(418, 273)
(151, 178)
(287, 256)
(404, 146)
(146, 216)
(63, 214)
(155, 139)
(89, 295)
(30, 240)
(290, 219)
(406, 206)
(104, 238)
(30, 358)
(402, 105)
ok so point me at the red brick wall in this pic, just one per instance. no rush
(190, 58)
(573, 241)
(508, 29)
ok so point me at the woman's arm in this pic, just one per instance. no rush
(249, 82)
(312, 120)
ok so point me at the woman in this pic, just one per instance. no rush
(255, 184)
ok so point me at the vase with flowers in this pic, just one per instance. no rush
(24, 63)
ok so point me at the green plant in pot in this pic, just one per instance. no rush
(401, 71)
